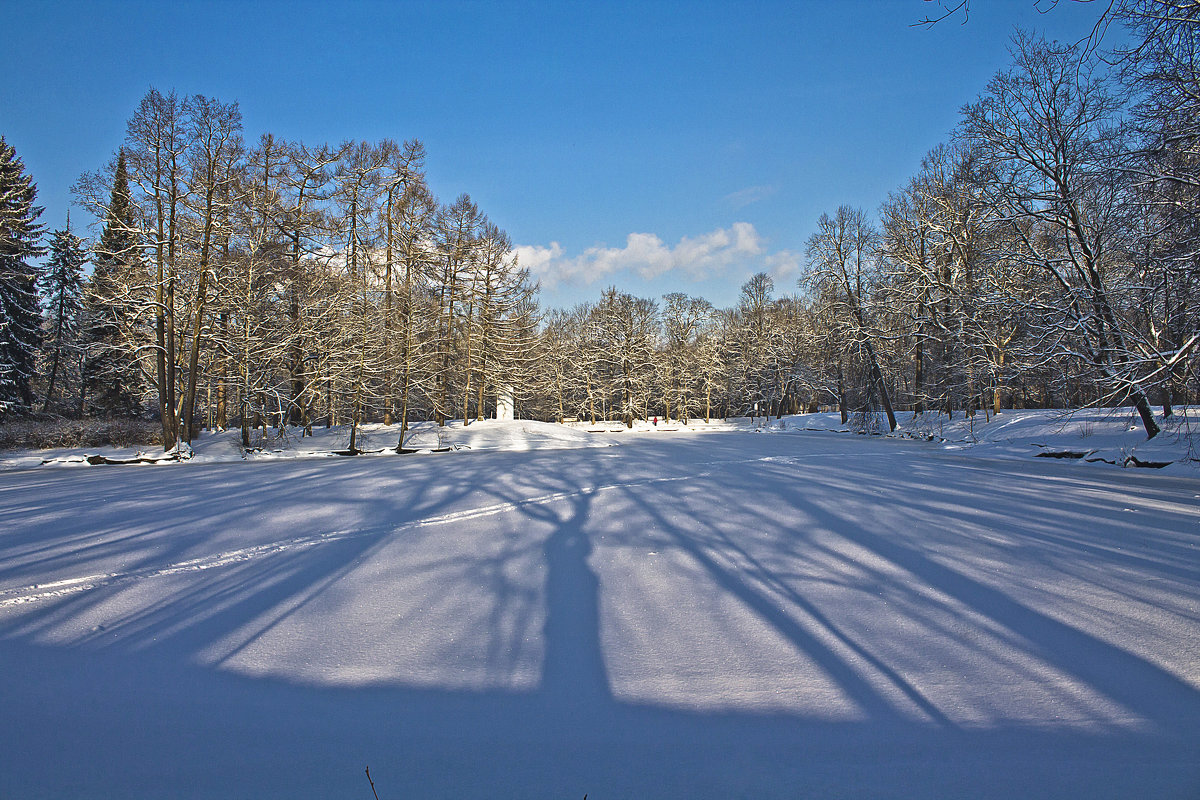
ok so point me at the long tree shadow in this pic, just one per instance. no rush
(1145, 688)
(743, 586)
(573, 670)
(144, 708)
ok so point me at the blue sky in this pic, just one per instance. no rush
(657, 146)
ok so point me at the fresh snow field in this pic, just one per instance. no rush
(683, 614)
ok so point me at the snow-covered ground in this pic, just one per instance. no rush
(1097, 436)
(1113, 436)
(687, 614)
(372, 439)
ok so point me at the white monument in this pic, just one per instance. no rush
(504, 403)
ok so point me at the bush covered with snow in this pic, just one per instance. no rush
(43, 433)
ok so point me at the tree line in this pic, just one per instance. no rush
(278, 281)
(1045, 255)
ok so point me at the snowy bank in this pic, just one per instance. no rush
(372, 439)
(1096, 436)
(1112, 436)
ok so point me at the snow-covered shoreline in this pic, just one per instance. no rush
(1097, 436)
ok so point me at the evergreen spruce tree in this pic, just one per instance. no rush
(20, 313)
(62, 286)
(112, 378)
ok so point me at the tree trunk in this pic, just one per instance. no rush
(845, 412)
(389, 400)
(198, 325)
(877, 377)
(1144, 411)
(170, 416)
(467, 370)
(297, 409)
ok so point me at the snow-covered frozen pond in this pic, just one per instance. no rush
(714, 615)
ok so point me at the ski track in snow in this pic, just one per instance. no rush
(68, 586)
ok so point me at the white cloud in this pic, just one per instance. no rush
(751, 194)
(783, 266)
(536, 258)
(647, 255)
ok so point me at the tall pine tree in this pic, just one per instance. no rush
(112, 377)
(62, 286)
(20, 313)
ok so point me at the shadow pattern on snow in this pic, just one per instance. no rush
(711, 617)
